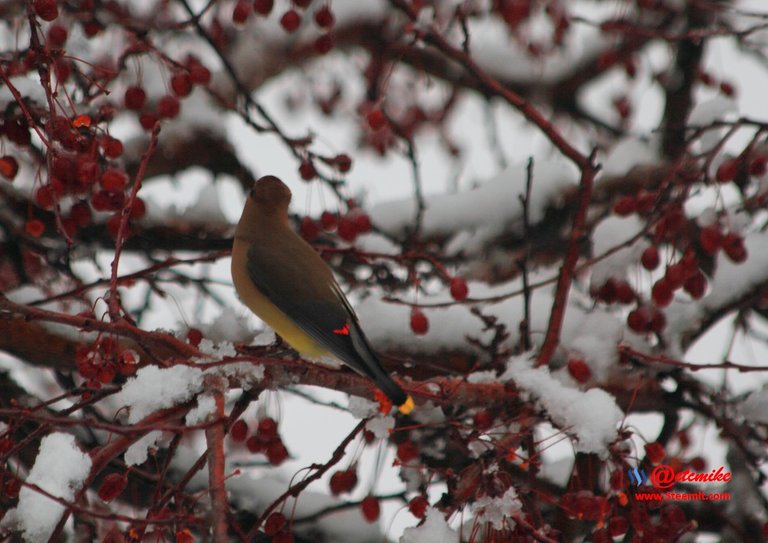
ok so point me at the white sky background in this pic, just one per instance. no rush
(310, 432)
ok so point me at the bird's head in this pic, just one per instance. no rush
(269, 193)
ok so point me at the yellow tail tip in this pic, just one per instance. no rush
(407, 406)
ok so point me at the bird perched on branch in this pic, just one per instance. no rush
(286, 283)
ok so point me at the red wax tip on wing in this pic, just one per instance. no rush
(385, 404)
(343, 331)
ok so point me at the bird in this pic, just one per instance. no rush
(284, 281)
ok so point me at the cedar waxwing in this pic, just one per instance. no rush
(282, 279)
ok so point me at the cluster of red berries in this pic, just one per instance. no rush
(265, 440)
(101, 362)
(348, 226)
(182, 81)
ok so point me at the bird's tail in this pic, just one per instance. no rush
(368, 364)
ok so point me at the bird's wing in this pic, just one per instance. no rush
(318, 306)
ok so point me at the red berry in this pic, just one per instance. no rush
(45, 9)
(579, 370)
(241, 12)
(727, 170)
(650, 258)
(275, 523)
(80, 213)
(113, 147)
(112, 486)
(57, 35)
(168, 107)
(482, 420)
(419, 322)
(309, 229)
(307, 170)
(418, 506)
(135, 98)
(696, 285)
(254, 445)
(113, 180)
(734, 248)
(239, 430)
(138, 209)
(676, 275)
(347, 229)
(199, 74)
(662, 292)
(194, 336)
(624, 293)
(376, 119)
(759, 166)
(658, 322)
(323, 44)
(639, 319)
(655, 452)
(329, 221)
(276, 453)
(181, 84)
(148, 121)
(34, 228)
(343, 481)
(290, 20)
(362, 222)
(710, 239)
(459, 289)
(324, 17)
(343, 163)
(263, 7)
(370, 508)
(618, 526)
(106, 373)
(267, 430)
(626, 205)
(407, 451)
(44, 197)
(9, 167)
